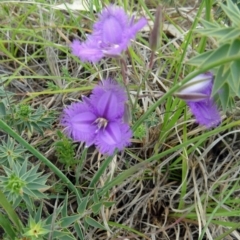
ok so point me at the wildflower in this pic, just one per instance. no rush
(197, 94)
(111, 35)
(99, 119)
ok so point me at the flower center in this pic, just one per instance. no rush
(107, 46)
(101, 123)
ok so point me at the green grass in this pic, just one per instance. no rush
(178, 180)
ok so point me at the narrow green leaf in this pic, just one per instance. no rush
(2, 110)
(228, 232)
(38, 215)
(235, 73)
(62, 235)
(100, 171)
(78, 230)
(232, 12)
(220, 79)
(217, 54)
(207, 24)
(226, 224)
(108, 204)
(233, 34)
(96, 207)
(65, 207)
(210, 57)
(90, 221)
(95, 196)
(234, 48)
(7, 227)
(219, 33)
(83, 205)
(214, 213)
(67, 221)
(10, 212)
(224, 96)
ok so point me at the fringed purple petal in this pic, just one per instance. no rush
(78, 120)
(116, 90)
(115, 136)
(87, 51)
(111, 30)
(110, 85)
(132, 31)
(111, 35)
(205, 112)
(107, 106)
(117, 17)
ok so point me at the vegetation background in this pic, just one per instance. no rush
(177, 180)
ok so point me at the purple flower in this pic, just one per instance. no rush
(99, 119)
(197, 94)
(111, 35)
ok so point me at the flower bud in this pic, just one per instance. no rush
(154, 39)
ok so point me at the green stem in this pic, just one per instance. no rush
(38, 155)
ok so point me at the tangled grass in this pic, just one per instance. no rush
(176, 181)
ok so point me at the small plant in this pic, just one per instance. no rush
(23, 184)
(65, 150)
(140, 132)
(35, 230)
(24, 118)
(11, 152)
(52, 86)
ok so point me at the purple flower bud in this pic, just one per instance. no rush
(197, 94)
(154, 39)
(99, 119)
(111, 35)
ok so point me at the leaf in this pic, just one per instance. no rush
(78, 230)
(221, 52)
(100, 171)
(108, 204)
(90, 221)
(235, 74)
(10, 212)
(224, 96)
(67, 221)
(234, 33)
(210, 57)
(207, 24)
(96, 207)
(65, 206)
(60, 235)
(219, 32)
(95, 196)
(7, 227)
(226, 50)
(2, 110)
(234, 48)
(232, 12)
(38, 215)
(83, 205)
(220, 79)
